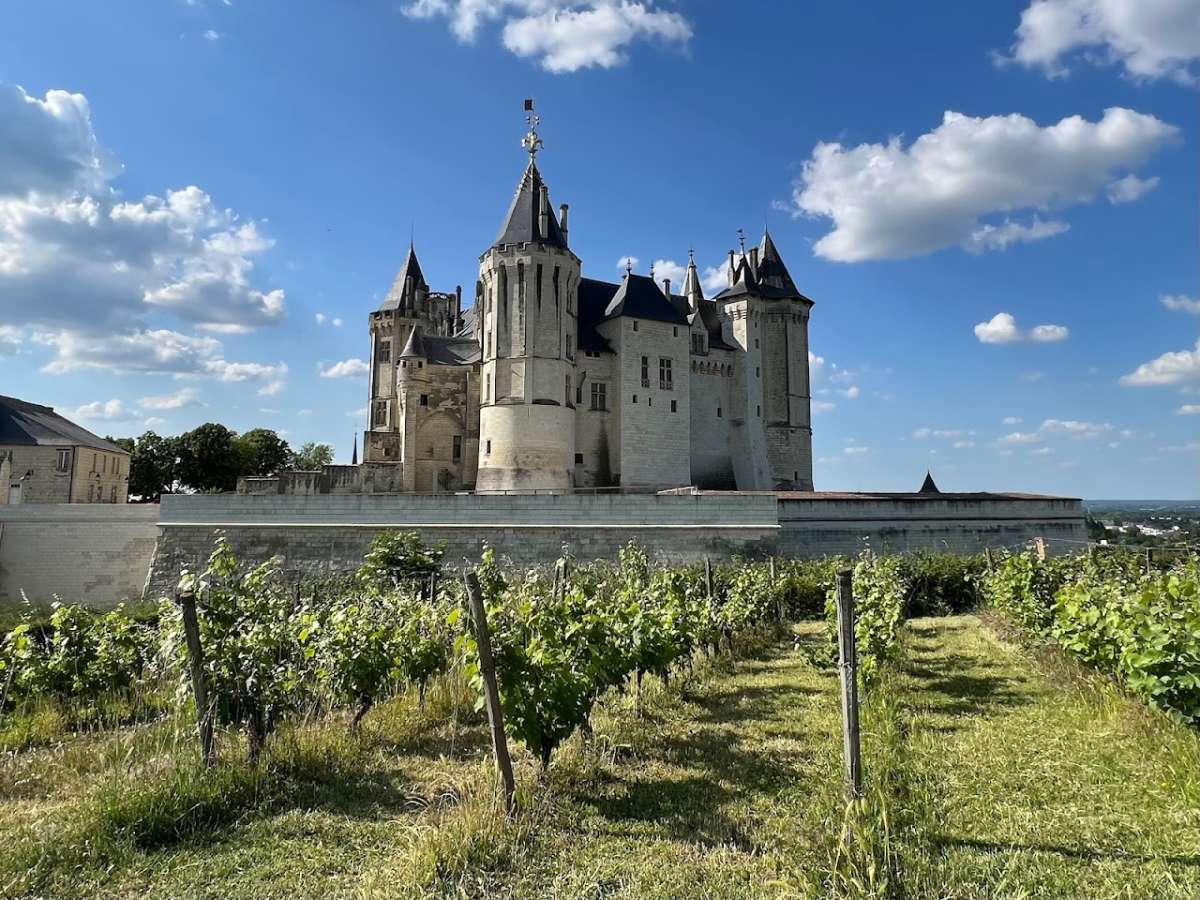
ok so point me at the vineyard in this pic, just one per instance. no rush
(675, 729)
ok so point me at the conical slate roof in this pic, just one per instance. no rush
(640, 298)
(414, 346)
(691, 284)
(521, 225)
(771, 270)
(396, 297)
(928, 487)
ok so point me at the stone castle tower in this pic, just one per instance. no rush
(528, 281)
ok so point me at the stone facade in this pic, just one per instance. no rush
(554, 382)
(45, 458)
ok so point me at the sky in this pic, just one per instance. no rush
(993, 205)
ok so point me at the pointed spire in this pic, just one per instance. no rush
(407, 284)
(771, 269)
(928, 486)
(354, 452)
(525, 222)
(692, 288)
(414, 346)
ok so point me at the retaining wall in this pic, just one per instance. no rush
(94, 553)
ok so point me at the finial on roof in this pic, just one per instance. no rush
(742, 240)
(928, 486)
(691, 256)
(531, 142)
(628, 265)
(651, 271)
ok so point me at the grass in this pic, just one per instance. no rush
(992, 771)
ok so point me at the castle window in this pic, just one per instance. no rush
(635, 324)
(635, 398)
(556, 293)
(645, 371)
(487, 388)
(649, 401)
(456, 448)
(487, 448)
(384, 351)
(567, 393)
(64, 460)
(758, 410)
(538, 290)
(420, 365)
(579, 389)
(113, 494)
(592, 354)
(673, 408)
(718, 412)
(424, 399)
(599, 396)
(570, 347)
(380, 417)
(579, 459)
(674, 331)
(757, 372)
(756, 343)
(795, 476)
(665, 380)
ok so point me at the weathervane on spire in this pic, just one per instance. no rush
(742, 240)
(531, 142)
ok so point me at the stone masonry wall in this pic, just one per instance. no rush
(98, 554)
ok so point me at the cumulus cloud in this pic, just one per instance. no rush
(1002, 329)
(179, 400)
(158, 352)
(563, 35)
(1180, 303)
(628, 263)
(10, 339)
(891, 201)
(922, 433)
(104, 411)
(347, 368)
(668, 268)
(1176, 367)
(715, 279)
(1130, 188)
(81, 264)
(1021, 437)
(855, 451)
(1011, 420)
(1075, 428)
(822, 406)
(1189, 409)
(1150, 39)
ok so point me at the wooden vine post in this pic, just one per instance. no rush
(848, 668)
(1149, 561)
(991, 564)
(1039, 545)
(487, 668)
(186, 598)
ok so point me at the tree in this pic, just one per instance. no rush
(311, 457)
(260, 451)
(207, 459)
(151, 465)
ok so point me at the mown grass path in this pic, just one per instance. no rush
(1037, 780)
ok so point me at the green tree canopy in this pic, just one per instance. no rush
(207, 458)
(311, 457)
(261, 451)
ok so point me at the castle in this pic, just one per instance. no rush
(553, 382)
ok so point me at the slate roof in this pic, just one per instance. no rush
(521, 225)
(771, 270)
(31, 425)
(773, 281)
(459, 350)
(594, 297)
(928, 486)
(396, 295)
(639, 297)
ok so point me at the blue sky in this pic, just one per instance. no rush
(186, 187)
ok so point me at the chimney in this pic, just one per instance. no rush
(457, 307)
(754, 261)
(732, 271)
(544, 212)
(562, 220)
(667, 287)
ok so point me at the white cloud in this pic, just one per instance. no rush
(1189, 447)
(1021, 437)
(851, 393)
(347, 368)
(337, 323)
(154, 422)
(211, 35)
(922, 433)
(1189, 409)
(11, 339)
(74, 254)
(1130, 188)
(963, 445)
(628, 262)
(1180, 303)
(159, 352)
(1011, 420)
(888, 201)
(668, 268)
(320, 318)
(715, 279)
(1149, 38)
(1002, 329)
(1043, 451)
(854, 451)
(179, 400)
(1176, 367)
(563, 35)
(822, 406)
(1075, 428)
(104, 410)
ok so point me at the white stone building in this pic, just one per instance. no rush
(553, 381)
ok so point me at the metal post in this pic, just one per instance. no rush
(487, 668)
(191, 630)
(848, 668)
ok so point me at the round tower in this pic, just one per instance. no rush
(530, 283)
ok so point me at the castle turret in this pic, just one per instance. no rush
(530, 280)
